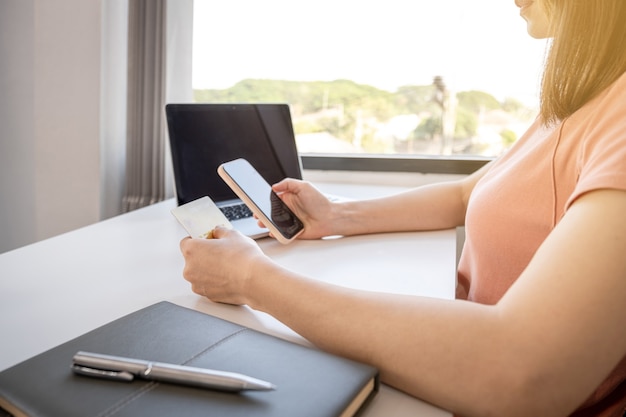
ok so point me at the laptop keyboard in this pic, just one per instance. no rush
(237, 211)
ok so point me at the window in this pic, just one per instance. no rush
(444, 80)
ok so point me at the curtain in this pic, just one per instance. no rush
(145, 151)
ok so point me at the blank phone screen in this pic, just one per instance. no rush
(260, 192)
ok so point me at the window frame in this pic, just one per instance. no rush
(426, 164)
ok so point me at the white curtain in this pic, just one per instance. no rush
(145, 157)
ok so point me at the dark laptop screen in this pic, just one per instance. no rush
(202, 136)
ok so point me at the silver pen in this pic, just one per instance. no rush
(126, 369)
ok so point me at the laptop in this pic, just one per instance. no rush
(204, 135)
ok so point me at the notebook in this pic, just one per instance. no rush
(309, 382)
(204, 135)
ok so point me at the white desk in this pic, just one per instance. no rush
(57, 289)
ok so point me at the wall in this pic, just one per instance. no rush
(17, 179)
(49, 118)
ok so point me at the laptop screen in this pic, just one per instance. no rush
(203, 136)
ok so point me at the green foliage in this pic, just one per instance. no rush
(512, 105)
(416, 99)
(466, 123)
(477, 101)
(343, 107)
(508, 137)
(304, 97)
(428, 128)
(518, 109)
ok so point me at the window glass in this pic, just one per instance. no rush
(445, 77)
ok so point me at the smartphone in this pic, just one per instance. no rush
(257, 194)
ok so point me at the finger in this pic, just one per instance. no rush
(198, 289)
(220, 231)
(183, 243)
(286, 185)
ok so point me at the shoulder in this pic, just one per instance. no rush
(600, 121)
(611, 101)
(599, 129)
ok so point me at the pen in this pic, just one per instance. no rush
(126, 369)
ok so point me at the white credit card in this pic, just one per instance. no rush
(200, 217)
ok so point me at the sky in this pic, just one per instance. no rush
(473, 44)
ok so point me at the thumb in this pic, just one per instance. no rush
(286, 185)
(220, 231)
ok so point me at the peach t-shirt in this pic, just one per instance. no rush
(516, 205)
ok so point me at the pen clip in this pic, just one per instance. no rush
(102, 373)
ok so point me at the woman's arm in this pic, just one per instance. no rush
(542, 350)
(436, 206)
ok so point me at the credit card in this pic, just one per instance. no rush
(199, 217)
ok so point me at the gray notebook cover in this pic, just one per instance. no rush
(309, 382)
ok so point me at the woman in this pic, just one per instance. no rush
(539, 324)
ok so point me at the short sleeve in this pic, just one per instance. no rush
(602, 161)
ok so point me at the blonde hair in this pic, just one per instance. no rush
(587, 54)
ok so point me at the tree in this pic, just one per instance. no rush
(343, 107)
(477, 101)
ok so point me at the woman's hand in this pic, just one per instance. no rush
(309, 205)
(221, 268)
